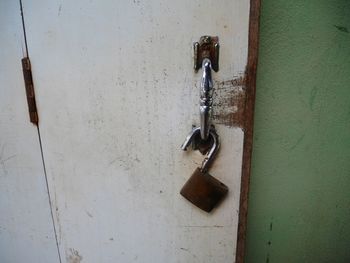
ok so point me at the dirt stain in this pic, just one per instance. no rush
(73, 256)
(89, 214)
(342, 28)
(59, 10)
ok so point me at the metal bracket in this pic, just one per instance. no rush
(28, 82)
(207, 47)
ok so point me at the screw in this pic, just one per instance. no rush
(207, 39)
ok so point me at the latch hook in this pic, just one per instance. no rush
(206, 55)
(206, 99)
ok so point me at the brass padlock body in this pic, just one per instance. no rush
(203, 190)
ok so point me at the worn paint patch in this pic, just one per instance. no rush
(229, 102)
(73, 256)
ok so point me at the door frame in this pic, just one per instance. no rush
(250, 86)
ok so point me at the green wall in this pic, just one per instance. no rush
(299, 201)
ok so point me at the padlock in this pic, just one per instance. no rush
(202, 189)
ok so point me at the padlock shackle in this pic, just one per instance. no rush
(190, 137)
(210, 156)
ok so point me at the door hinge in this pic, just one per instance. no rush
(28, 82)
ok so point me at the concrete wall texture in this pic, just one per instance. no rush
(299, 206)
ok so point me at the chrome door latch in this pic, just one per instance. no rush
(202, 189)
(206, 56)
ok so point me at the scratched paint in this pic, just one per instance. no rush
(229, 102)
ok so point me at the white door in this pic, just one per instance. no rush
(117, 95)
(26, 227)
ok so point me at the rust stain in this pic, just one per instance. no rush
(29, 86)
(229, 102)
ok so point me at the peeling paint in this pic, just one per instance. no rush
(229, 102)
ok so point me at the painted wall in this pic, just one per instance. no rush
(299, 207)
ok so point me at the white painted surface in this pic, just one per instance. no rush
(117, 96)
(26, 228)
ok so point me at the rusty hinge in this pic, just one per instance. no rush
(28, 82)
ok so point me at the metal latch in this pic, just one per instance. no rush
(207, 47)
(28, 82)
